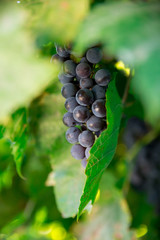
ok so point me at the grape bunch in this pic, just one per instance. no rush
(84, 88)
(145, 175)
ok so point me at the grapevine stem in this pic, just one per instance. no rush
(125, 95)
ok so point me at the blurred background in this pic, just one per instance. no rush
(40, 183)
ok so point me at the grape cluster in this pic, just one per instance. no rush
(84, 88)
(145, 176)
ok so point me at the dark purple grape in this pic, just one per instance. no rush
(83, 60)
(86, 138)
(70, 67)
(84, 97)
(65, 78)
(84, 162)
(102, 77)
(99, 132)
(78, 152)
(98, 108)
(99, 92)
(57, 58)
(68, 90)
(68, 120)
(87, 152)
(95, 124)
(72, 134)
(86, 83)
(83, 70)
(94, 55)
(62, 52)
(71, 104)
(134, 131)
(81, 114)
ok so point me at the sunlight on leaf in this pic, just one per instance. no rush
(23, 74)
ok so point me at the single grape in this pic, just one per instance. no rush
(68, 120)
(65, 78)
(56, 58)
(84, 162)
(72, 134)
(70, 67)
(87, 152)
(78, 152)
(83, 70)
(84, 97)
(71, 104)
(95, 124)
(102, 77)
(68, 90)
(98, 108)
(86, 83)
(86, 138)
(99, 92)
(62, 52)
(83, 60)
(81, 114)
(94, 55)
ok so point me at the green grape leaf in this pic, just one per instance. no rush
(56, 20)
(110, 221)
(24, 74)
(17, 133)
(104, 148)
(68, 176)
(68, 180)
(131, 32)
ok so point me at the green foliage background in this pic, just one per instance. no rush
(40, 183)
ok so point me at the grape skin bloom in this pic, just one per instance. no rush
(98, 108)
(98, 92)
(83, 70)
(65, 78)
(68, 90)
(94, 55)
(84, 97)
(102, 77)
(71, 104)
(86, 83)
(95, 124)
(86, 138)
(68, 120)
(81, 114)
(87, 152)
(78, 152)
(70, 67)
(72, 134)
